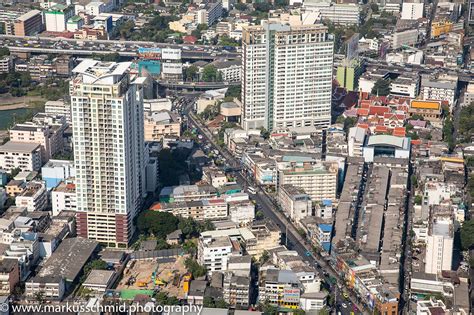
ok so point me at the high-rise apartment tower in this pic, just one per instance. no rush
(107, 119)
(286, 76)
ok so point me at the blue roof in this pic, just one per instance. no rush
(327, 202)
(325, 227)
(326, 246)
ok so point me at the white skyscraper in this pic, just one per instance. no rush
(286, 76)
(107, 118)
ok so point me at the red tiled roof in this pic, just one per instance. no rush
(399, 132)
(416, 142)
(362, 111)
(380, 128)
(378, 110)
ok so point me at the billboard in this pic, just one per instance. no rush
(291, 295)
(149, 53)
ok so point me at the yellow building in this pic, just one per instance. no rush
(429, 110)
(440, 28)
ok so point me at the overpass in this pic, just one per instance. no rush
(186, 55)
(196, 86)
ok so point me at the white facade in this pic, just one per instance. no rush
(60, 108)
(242, 213)
(405, 38)
(214, 253)
(231, 74)
(412, 10)
(408, 88)
(107, 115)
(356, 140)
(439, 247)
(63, 197)
(33, 198)
(338, 13)
(319, 181)
(25, 156)
(57, 16)
(289, 83)
(295, 203)
(6, 64)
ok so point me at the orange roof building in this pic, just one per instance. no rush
(430, 110)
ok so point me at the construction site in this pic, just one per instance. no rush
(167, 275)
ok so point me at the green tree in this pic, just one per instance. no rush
(264, 133)
(264, 257)
(349, 122)
(190, 73)
(210, 73)
(418, 200)
(4, 51)
(374, 7)
(467, 234)
(448, 129)
(466, 123)
(268, 309)
(381, 87)
(157, 223)
(225, 40)
(190, 247)
(189, 227)
(195, 268)
(234, 91)
(240, 6)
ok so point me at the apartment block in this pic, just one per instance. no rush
(107, 116)
(63, 197)
(55, 171)
(34, 197)
(287, 76)
(295, 203)
(9, 276)
(58, 108)
(57, 16)
(161, 124)
(317, 179)
(45, 130)
(206, 209)
(25, 156)
(29, 24)
(215, 251)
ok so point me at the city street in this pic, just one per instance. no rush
(293, 239)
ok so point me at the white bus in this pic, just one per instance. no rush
(252, 190)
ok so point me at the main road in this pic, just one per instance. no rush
(293, 238)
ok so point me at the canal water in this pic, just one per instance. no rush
(7, 116)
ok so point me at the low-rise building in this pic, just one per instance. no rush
(56, 171)
(214, 251)
(429, 110)
(295, 203)
(161, 124)
(9, 276)
(63, 197)
(58, 108)
(356, 140)
(34, 197)
(61, 271)
(15, 187)
(279, 288)
(205, 209)
(46, 130)
(25, 156)
(99, 280)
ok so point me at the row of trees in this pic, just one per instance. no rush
(209, 74)
(159, 224)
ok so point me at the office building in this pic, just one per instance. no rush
(28, 24)
(287, 76)
(107, 116)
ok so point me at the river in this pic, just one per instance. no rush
(7, 116)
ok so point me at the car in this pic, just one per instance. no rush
(344, 305)
(345, 295)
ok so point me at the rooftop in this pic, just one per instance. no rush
(19, 147)
(99, 277)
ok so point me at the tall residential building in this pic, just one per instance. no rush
(287, 76)
(107, 115)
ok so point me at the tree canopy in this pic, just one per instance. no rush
(467, 234)
(157, 223)
(381, 87)
(210, 74)
(466, 123)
